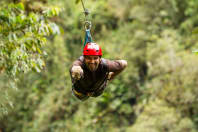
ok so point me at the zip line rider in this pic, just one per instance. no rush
(91, 72)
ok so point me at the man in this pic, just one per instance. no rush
(90, 72)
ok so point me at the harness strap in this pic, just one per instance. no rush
(77, 93)
(87, 37)
(81, 94)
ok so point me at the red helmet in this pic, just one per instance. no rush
(92, 49)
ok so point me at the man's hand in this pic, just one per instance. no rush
(110, 75)
(123, 63)
(76, 72)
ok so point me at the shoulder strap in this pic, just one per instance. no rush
(81, 58)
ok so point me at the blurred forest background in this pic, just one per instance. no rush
(157, 92)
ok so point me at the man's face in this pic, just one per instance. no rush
(92, 62)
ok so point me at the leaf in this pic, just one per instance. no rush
(77, 1)
(39, 51)
(33, 18)
(20, 6)
(195, 51)
(53, 28)
(195, 30)
(1, 28)
(56, 10)
(14, 36)
(37, 69)
(61, 30)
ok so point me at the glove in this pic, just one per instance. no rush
(76, 72)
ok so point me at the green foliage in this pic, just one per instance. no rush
(167, 71)
(157, 116)
(157, 91)
(77, 1)
(22, 37)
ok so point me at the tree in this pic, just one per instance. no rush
(22, 35)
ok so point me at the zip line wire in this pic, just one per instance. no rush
(87, 25)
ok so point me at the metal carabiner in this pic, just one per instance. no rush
(87, 25)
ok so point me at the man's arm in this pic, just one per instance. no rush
(116, 67)
(76, 72)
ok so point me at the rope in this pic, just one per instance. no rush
(83, 4)
(86, 11)
(87, 25)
